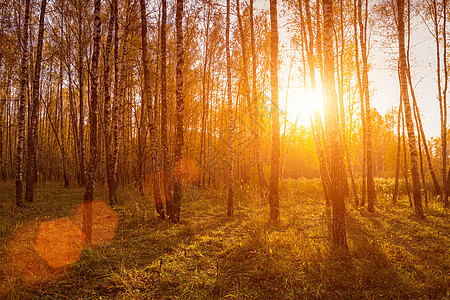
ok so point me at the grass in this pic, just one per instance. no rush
(392, 254)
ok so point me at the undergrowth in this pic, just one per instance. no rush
(392, 254)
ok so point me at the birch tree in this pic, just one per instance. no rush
(275, 154)
(337, 167)
(93, 117)
(230, 176)
(22, 103)
(407, 108)
(179, 137)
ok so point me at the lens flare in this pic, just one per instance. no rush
(22, 259)
(104, 221)
(59, 242)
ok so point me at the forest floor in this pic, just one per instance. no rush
(392, 254)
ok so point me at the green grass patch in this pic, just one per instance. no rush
(391, 253)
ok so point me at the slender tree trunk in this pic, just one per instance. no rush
(201, 175)
(61, 122)
(32, 131)
(147, 97)
(230, 118)
(310, 48)
(371, 196)
(405, 161)
(250, 104)
(48, 121)
(275, 156)
(115, 109)
(284, 146)
(73, 119)
(22, 103)
(93, 114)
(320, 58)
(342, 111)
(81, 87)
(442, 106)
(10, 139)
(317, 125)
(2, 165)
(164, 143)
(337, 168)
(420, 142)
(259, 164)
(365, 118)
(5, 129)
(446, 177)
(321, 156)
(107, 109)
(421, 133)
(397, 168)
(179, 138)
(357, 16)
(119, 104)
(319, 44)
(416, 114)
(408, 117)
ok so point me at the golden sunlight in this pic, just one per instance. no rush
(300, 104)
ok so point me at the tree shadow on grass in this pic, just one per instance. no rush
(391, 258)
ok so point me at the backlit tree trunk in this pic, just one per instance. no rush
(230, 176)
(405, 160)
(115, 109)
(442, 92)
(201, 175)
(167, 173)
(119, 103)
(341, 107)
(148, 104)
(2, 159)
(419, 141)
(275, 155)
(317, 123)
(246, 82)
(81, 87)
(61, 123)
(407, 106)
(317, 132)
(93, 114)
(337, 168)
(35, 99)
(357, 16)
(73, 118)
(446, 180)
(397, 167)
(367, 118)
(259, 164)
(421, 133)
(22, 103)
(179, 137)
(107, 109)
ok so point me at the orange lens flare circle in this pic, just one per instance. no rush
(22, 259)
(59, 242)
(104, 221)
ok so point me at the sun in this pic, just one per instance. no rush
(300, 104)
